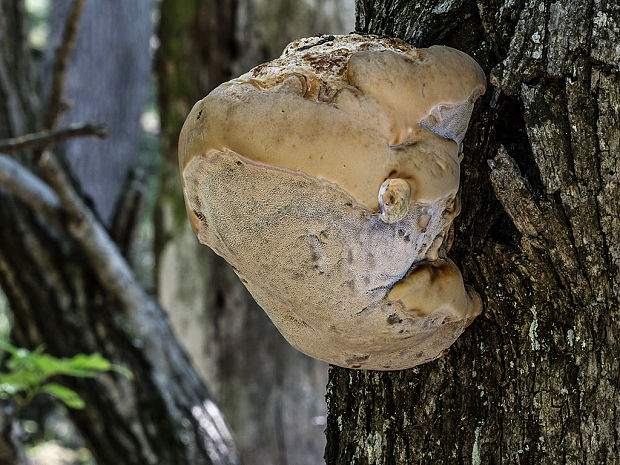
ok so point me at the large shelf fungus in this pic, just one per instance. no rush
(328, 179)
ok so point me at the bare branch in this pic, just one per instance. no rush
(113, 271)
(28, 188)
(82, 225)
(57, 179)
(61, 62)
(43, 139)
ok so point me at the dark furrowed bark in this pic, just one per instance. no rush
(535, 378)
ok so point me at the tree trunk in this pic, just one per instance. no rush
(272, 395)
(107, 83)
(58, 282)
(535, 379)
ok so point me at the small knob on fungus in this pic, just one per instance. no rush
(394, 197)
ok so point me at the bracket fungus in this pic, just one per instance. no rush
(328, 179)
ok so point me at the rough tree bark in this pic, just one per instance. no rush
(535, 379)
(70, 290)
(272, 396)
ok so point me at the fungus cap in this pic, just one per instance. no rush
(327, 178)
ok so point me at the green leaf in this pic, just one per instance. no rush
(24, 359)
(51, 366)
(92, 363)
(20, 380)
(82, 365)
(28, 372)
(66, 395)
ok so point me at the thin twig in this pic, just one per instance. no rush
(54, 106)
(28, 188)
(44, 139)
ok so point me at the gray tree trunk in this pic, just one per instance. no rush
(272, 395)
(536, 378)
(108, 83)
(61, 298)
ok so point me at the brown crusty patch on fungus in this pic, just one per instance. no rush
(326, 178)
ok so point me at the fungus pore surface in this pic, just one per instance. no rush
(328, 179)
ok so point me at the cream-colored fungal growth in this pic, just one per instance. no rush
(328, 178)
(394, 197)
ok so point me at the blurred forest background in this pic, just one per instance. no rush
(137, 67)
